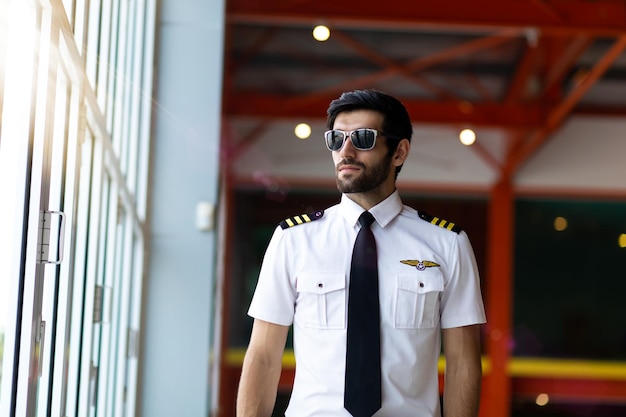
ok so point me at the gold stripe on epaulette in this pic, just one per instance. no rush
(437, 221)
(301, 219)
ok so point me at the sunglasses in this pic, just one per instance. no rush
(362, 139)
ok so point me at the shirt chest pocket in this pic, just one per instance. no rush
(417, 299)
(321, 302)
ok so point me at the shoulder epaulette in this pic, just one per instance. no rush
(301, 219)
(439, 222)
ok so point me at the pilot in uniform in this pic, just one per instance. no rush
(428, 280)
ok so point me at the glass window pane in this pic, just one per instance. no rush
(19, 37)
(92, 42)
(79, 270)
(134, 322)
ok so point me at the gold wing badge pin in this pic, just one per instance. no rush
(420, 265)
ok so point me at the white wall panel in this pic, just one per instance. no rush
(588, 153)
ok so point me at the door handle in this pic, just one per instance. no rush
(46, 239)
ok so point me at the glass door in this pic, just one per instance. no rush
(64, 177)
(39, 151)
(22, 157)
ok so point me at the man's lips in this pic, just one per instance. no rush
(349, 166)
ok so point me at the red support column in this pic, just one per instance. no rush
(499, 300)
(228, 377)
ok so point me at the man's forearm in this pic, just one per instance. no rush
(257, 388)
(461, 396)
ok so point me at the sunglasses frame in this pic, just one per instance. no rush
(347, 134)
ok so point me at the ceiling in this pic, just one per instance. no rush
(513, 70)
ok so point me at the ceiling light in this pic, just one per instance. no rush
(467, 137)
(560, 224)
(302, 130)
(321, 33)
(622, 240)
(542, 399)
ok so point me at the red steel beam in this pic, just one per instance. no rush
(417, 64)
(499, 300)
(510, 116)
(525, 68)
(556, 117)
(384, 62)
(480, 88)
(599, 17)
(249, 139)
(463, 49)
(226, 387)
(249, 53)
(486, 156)
(558, 69)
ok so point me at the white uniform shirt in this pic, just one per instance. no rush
(304, 281)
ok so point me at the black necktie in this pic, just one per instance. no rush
(362, 396)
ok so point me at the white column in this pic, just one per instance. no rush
(180, 280)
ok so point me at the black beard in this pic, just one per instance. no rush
(369, 179)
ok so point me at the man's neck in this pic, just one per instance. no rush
(369, 199)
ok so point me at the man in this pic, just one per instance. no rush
(428, 288)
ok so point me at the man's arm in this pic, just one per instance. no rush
(463, 377)
(261, 370)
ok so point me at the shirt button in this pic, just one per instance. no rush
(421, 285)
(320, 285)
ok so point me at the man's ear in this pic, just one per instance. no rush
(401, 153)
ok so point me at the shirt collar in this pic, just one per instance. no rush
(384, 212)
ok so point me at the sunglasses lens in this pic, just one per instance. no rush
(363, 138)
(334, 139)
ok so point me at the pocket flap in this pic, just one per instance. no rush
(421, 281)
(320, 282)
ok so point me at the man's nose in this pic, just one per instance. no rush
(348, 149)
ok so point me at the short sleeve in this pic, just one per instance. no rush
(274, 297)
(462, 302)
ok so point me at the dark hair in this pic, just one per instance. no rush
(396, 120)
